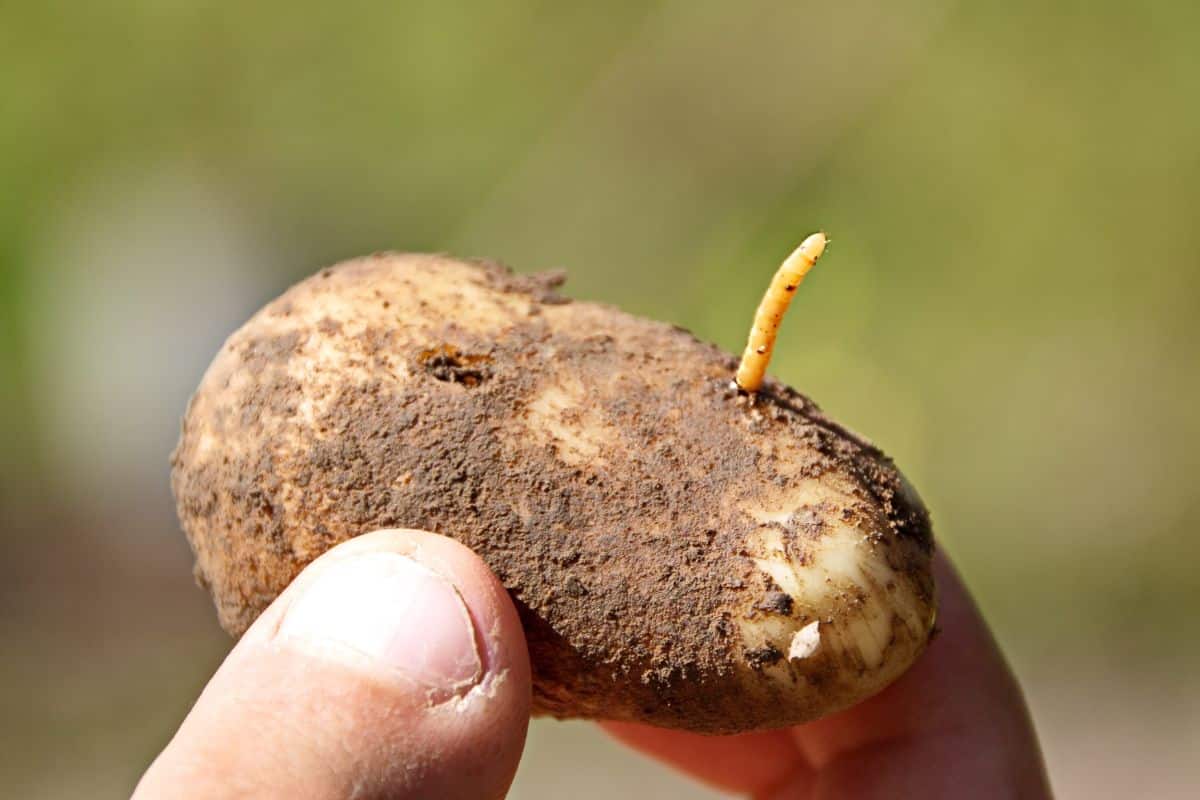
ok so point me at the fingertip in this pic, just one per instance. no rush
(394, 663)
(499, 634)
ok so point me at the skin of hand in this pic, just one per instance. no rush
(395, 666)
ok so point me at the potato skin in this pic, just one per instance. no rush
(664, 539)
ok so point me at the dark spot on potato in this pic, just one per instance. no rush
(446, 363)
(776, 602)
(764, 656)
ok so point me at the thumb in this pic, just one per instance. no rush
(393, 666)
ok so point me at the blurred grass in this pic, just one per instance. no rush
(1011, 304)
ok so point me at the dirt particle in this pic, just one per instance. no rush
(776, 602)
(764, 656)
(542, 287)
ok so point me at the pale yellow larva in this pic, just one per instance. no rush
(770, 312)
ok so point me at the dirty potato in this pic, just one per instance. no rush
(681, 553)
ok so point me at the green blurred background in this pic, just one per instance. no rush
(1011, 304)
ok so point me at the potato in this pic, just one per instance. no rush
(681, 554)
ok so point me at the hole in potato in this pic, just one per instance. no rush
(447, 363)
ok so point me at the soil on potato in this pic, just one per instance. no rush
(607, 558)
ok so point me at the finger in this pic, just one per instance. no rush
(955, 725)
(745, 764)
(393, 666)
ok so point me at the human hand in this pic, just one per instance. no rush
(395, 666)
